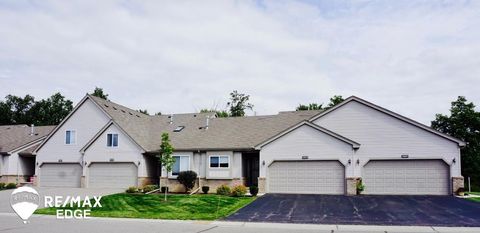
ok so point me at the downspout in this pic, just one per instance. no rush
(199, 167)
(18, 175)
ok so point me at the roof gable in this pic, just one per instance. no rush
(80, 103)
(390, 113)
(354, 144)
(101, 131)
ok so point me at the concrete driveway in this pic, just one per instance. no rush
(43, 191)
(361, 210)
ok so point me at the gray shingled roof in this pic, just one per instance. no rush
(15, 136)
(233, 133)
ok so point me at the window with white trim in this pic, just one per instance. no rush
(219, 161)
(112, 140)
(70, 137)
(182, 163)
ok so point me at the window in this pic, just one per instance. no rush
(70, 137)
(219, 161)
(112, 140)
(182, 163)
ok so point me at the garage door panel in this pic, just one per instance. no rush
(316, 177)
(416, 177)
(112, 175)
(60, 175)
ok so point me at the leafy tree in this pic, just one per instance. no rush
(5, 114)
(98, 92)
(144, 111)
(165, 157)
(222, 113)
(311, 106)
(20, 108)
(464, 123)
(239, 103)
(50, 111)
(25, 110)
(218, 113)
(336, 99)
(205, 110)
(158, 113)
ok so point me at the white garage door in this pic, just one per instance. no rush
(310, 177)
(112, 175)
(60, 175)
(418, 177)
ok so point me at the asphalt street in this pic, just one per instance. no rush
(446, 211)
(41, 223)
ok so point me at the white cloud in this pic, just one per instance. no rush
(413, 58)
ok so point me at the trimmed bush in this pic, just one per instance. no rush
(149, 188)
(205, 189)
(360, 187)
(254, 190)
(223, 190)
(187, 179)
(11, 186)
(132, 189)
(2, 185)
(163, 188)
(239, 191)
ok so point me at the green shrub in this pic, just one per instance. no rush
(149, 188)
(187, 179)
(11, 186)
(223, 190)
(132, 189)
(2, 185)
(254, 190)
(239, 190)
(360, 187)
(205, 189)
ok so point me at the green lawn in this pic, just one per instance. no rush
(475, 199)
(195, 207)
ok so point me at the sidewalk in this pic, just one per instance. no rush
(48, 223)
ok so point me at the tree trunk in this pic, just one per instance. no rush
(166, 188)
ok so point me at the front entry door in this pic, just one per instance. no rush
(251, 170)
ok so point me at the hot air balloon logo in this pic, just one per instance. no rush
(24, 201)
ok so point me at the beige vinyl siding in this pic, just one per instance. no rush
(86, 121)
(384, 137)
(304, 141)
(126, 152)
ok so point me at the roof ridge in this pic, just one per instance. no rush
(98, 100)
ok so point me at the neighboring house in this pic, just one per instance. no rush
(17, 142)
(103, 144)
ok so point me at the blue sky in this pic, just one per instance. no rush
(413, 57)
